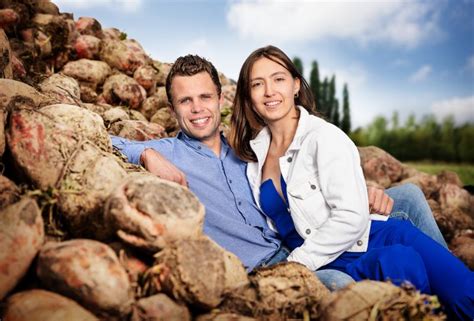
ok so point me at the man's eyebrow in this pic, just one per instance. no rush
(183, 98)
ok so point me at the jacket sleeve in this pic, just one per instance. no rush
(336, 163)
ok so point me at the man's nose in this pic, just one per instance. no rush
(196, 107)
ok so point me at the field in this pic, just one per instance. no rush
(465, 171)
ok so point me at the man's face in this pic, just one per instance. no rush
(196, 106)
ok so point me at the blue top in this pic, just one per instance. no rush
(277, 209)
(232, 218)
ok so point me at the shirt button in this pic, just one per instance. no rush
(308, 231)
(359, 242)
(239, 203)
(230, 181)
(199, 147)
(288, 209)
(313, 186)
(289, 159)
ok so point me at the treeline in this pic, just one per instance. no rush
(324, 93)
(427, 139)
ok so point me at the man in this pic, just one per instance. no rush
(204, 161)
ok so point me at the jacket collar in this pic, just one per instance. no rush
(261, 142)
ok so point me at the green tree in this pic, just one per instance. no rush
(335, 113)
(298, 64)
(466, 137)
(346, 113)
(323, 94)
(331, 98)
(315, 84)
(447, 146)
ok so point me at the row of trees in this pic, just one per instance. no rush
(325, 95)
(427, 139)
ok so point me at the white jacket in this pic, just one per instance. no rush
(326, 190)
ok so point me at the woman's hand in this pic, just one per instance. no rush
(379, 202)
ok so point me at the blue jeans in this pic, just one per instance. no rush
(409, 204)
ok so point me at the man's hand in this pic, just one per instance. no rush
(379, 202)
(161, 167)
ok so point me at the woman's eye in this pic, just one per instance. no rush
(280, 79)
(255, 84)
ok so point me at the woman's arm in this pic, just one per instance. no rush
(336, 164)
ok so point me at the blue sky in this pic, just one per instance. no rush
(410, 56)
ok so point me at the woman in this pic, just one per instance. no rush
(306, 176)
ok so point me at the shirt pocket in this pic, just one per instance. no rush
(309, 201)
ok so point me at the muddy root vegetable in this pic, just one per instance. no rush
(9, 192)
(6, 70)
(146, 76)
(159, 307)
(88, 272)
(282, 291)
(90, 73)
(89, 26)
(149, 212)
(223, 316)
(165, 118)
(88, 124)
(463, 247)
(379, 166)
(153, 103)
(87, 46)
(197, 272)
(41, 305)
(137, 130)
(367, 299)
(21, 237)
(124, 90)
(124, 55)
(61, 89)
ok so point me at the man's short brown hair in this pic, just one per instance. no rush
(191, 65)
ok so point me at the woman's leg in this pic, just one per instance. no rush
(410, 203)
(395, 263)
(448, 277)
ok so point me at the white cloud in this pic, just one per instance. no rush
(470, 63)
(461, 108)
(400, 23)
(123, 5)
(421, 74)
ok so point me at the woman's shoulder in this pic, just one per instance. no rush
(319, 128)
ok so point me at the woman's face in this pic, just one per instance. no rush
(272, 90)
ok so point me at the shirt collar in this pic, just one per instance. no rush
(200, 147)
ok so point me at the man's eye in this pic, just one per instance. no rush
(184, 101)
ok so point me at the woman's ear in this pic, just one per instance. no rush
(297, 86)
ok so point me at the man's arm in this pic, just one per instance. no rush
(146, 154)
(379, 201)
(158, 165)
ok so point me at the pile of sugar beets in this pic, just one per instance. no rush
(86, 236)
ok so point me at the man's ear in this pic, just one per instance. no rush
(171, 109)
(221, 99)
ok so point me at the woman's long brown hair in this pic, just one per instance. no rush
(245, 122)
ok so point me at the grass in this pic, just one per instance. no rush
(464, 171)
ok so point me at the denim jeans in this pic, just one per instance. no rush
(409, 204)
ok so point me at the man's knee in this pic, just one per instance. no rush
(334, 279)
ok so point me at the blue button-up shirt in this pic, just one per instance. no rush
(232, 218)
